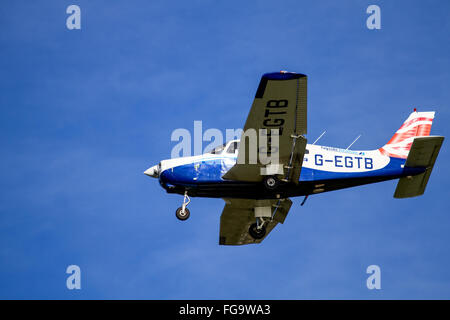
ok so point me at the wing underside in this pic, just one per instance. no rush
(280, 105)
(239, 214)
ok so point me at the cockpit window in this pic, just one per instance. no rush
(219, 149)
(233, 147)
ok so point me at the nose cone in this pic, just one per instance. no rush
(152, 172)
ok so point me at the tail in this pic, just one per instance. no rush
(418, 124)
(422, 157)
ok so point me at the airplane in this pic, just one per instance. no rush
(257, 194)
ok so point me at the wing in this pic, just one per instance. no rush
(238, 215)
(280, 104)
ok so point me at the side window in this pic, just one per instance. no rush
(233, 147)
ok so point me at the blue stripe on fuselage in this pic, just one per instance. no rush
(212, 170)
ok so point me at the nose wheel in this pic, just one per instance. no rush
(182, 215)
(182, 212)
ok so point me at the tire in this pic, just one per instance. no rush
(181, 216)
(255, 233)
(271, 182)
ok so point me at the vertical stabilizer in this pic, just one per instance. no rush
(418, 124)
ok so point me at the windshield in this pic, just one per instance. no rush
(233, 147)
(218, 149)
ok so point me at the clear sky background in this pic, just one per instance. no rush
(85, 112)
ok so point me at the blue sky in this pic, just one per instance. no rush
(85, 112)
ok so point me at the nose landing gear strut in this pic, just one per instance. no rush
(182, 212)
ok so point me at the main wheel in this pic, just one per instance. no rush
(182, 215)
(271, 182)
(257, 233)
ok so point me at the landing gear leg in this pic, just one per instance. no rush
(258, 230)
(182, 212)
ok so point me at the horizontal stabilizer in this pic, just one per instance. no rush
(423, 154)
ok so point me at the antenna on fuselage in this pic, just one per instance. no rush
(353, 142)
(319, 137)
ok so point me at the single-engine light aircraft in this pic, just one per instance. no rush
(257, 195)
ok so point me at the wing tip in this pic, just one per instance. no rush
(283, 75)
(277, 76)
